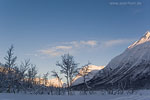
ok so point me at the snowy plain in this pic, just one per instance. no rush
(140, 95)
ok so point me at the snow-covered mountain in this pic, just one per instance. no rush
(89, 74)
(132, 65)
(134, 54)
(55, 82)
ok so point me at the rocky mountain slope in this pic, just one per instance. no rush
(131, 68)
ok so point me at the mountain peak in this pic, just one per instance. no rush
(143, 39)
(147, 34)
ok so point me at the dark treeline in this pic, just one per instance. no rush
(24, 78)
(18, 78)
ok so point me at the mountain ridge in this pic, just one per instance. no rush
(131, 67)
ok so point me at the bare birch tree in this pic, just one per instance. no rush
(68, 68)
(10, 64)
(85, 72)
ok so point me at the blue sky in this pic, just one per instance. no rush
(90, 30)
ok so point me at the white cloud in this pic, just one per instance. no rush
(90, 43)
(82, 43)
(116, 42)
(74, 43)
(67, 47)
(76, 46)
(50, 52)
(31, 54)
(55, 51)
(63, 47)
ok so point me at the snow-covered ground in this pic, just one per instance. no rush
(49, 97)
(141, 95)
